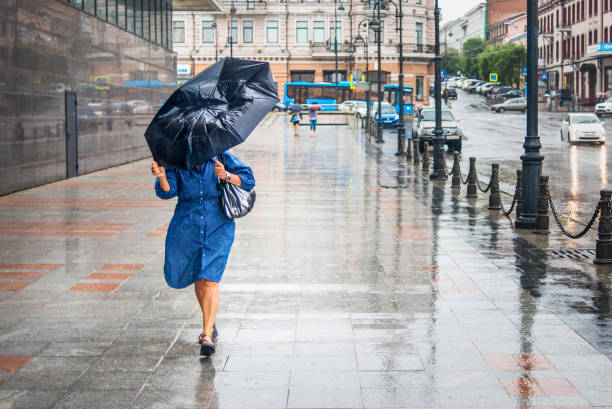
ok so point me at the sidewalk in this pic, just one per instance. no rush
(339, 293)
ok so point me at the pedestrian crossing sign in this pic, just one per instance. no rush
(493, 77)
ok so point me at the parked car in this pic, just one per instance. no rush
(514, 104)
(452, 93)
(480, 88)
(474, 86)
(486, 89)
(583, 127)
(500, 89)
(279, 107)
(426, 122)
(360, 109)
(468, 83)
(515, 93)
(347, 106)
(604, 107)
(387, 112)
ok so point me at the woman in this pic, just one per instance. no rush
(200, 235)
(312, 114)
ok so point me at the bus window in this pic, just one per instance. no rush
(291, 91)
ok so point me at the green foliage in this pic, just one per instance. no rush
(506, 61)
(451, 60)
(472, 48)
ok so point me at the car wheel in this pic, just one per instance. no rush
(569, 139)
(523, 110)
(276, 109)
(501, 110)
(561, 133)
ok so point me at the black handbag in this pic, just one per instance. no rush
(235, 201)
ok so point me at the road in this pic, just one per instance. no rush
(577, 173)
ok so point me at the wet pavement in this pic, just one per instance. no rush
(577, 172)
(355, 283)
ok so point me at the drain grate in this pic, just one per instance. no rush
(574, 254)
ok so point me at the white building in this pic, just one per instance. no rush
(471, 25)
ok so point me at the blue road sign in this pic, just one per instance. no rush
(544, 75)
(524, 70)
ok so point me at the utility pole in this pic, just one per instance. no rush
(438, 139)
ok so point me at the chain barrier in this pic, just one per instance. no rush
(514, 199)
(480, 187)
(567, 233)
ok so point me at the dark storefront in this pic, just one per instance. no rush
(113, 57)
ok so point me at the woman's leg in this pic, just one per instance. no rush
(207, 293)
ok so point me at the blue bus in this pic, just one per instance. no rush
(324, 93)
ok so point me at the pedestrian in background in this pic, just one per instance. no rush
(295, 120)
(445, 96)
(548, 103)
(200, 235)
(313, 109)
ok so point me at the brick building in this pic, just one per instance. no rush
(505, 18)
(575, 47)
(297, 38)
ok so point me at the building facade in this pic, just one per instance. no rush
(508, 30)
(575, 53)
(80, 81)
(298, 38)
(472, 24)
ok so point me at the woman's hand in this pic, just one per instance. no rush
(158, 171)
(220, 170)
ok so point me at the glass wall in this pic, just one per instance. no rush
(149, 19)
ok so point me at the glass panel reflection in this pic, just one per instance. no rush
(112, 11)
(121, 13)
(130, 15)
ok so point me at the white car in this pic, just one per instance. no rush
(467, 83)
(426, 123)
(347, 106)
(604, 107)
(583, 127)
(360, 109)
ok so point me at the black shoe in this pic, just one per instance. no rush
(207, 348)
(215, 333)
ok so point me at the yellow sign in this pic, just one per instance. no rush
(352, 81)
(493, 77)
(102, 82)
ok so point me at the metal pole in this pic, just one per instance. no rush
(336, 47)
(532, 160)
(400, 126)
(379, 138)
(367, 80)
(438, 138)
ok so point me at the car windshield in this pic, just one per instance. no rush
(609, 99)
(430, 115)
(585, 119)
(361, 104)
(386, 109)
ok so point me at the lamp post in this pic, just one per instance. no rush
(231, 37)
(336, 9)
(374, 24)
(400, 93)
(532, 160)
(214, 25)
(365, 41)
(438, 138)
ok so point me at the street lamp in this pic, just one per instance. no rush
(400, 94)
(365, 41)
(532, 160)
(438, 138)
(214, 26)
(341, 8)
(231, 37)
(374, 24)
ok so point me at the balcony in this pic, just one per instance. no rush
(246, 5)
(418, 48)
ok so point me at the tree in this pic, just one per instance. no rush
(506, 61)
(451, 60)
(472, 48)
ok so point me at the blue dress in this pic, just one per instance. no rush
(200, 235)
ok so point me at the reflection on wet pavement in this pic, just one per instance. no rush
(339, 293)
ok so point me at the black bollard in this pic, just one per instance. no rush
(409, 149)
(442, 173)
(456, 179)
(416, 158)
(542, 219)
(494, 196)
(519, 192)
(603, 249)
(472, 190)
(425, 167)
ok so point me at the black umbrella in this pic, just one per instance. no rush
(295, 108)
(211, 113)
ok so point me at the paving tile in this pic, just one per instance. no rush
(388, 362)
(312, 397)
(108, 276)
(29, 399)
(399, 398)
(325, 380)
(97, 399)
(13, 363)
(239, 398)
(95, 287)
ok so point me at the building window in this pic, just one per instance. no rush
(419, 88)
(306, 76)
(334, 76)
(608, 78)
(336, 35)
(418, 1)
(247, 31)
(208, 32)
(318, 32)
(272, 31)
(178, 31)
(234, 32)
(419, 37)
(301, 31)
(250, 5)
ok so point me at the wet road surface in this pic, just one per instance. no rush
(354, 283)
(577, 172)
